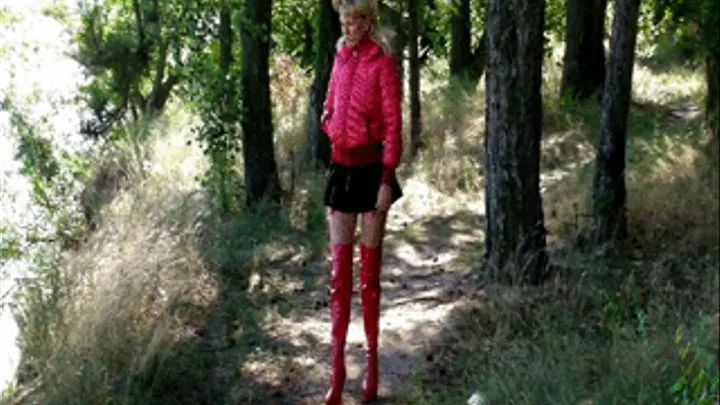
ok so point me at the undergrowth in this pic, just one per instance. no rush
(634, 325)
(130, 315)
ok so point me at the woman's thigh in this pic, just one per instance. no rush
(373, 228)
(342, 226)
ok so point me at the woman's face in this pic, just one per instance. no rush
(355, 27)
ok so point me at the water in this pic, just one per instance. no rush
(42, 82)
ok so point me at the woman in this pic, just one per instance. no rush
(363, 118)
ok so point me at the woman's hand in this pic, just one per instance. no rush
(384, 198)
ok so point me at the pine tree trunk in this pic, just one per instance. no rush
(460, 41)
(318, 144)
(415, 117)
(261, 175)
(515, 230)
(609, 193)
(584, 61)
(466, 62)
(221, 157)
(308, 51)
(479, 61)
(226, 40)
(712, 106)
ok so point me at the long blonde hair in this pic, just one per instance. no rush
(384, 36)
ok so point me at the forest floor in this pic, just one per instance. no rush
(430, 282)
(424, 277)
(420, 288)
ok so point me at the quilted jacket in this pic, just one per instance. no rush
(363, 116)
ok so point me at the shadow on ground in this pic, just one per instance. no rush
(421, 282)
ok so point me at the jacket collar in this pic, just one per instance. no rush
(366, 49)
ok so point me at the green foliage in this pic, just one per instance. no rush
(293, 23)
(440, 20)
(10, 247)
(126, 48)
(699, 382)
(212, 89)
(690, 26)
(436, 25)
(7, 17)
(57, 226)
(555, 14)
(57, 10)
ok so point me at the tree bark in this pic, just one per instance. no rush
(460, 41)
(466, 62)
(712, 106)
(221, 158)
(515, 230)
(584, 60)
(308, 43)
(261, 175)
(318, 144)
(142, 44)
(609, 193)
(226, 40)
(479, 61)
(415, 113)
(155, 101)
(394, 19)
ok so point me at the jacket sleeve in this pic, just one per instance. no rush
(391, 106)
(329, 103)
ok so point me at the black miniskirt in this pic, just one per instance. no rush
(354, 189)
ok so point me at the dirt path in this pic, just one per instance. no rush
(422, 282)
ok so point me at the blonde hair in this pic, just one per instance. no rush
(382, 35)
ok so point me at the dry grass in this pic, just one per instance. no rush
(134, 290)
(622, 328)
(134, 321)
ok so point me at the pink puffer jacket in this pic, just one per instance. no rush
(363, 106)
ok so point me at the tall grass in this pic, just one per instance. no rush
(134, 315)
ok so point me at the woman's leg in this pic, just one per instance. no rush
(373, 232)
(342, 232)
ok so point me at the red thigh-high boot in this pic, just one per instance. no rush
(341, 294)
(371, 259)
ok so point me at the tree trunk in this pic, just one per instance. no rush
(460, 41)
(157, 98)
(318, 144)
(609, 194)
(394, 19)
(415, 118)
(466, 62)
(221, 157)
(226, 40)
(712, 106)
(142, 43)
(515, 230)
(479, 61)
(584, 61)
(261, 175)
(308, 43)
